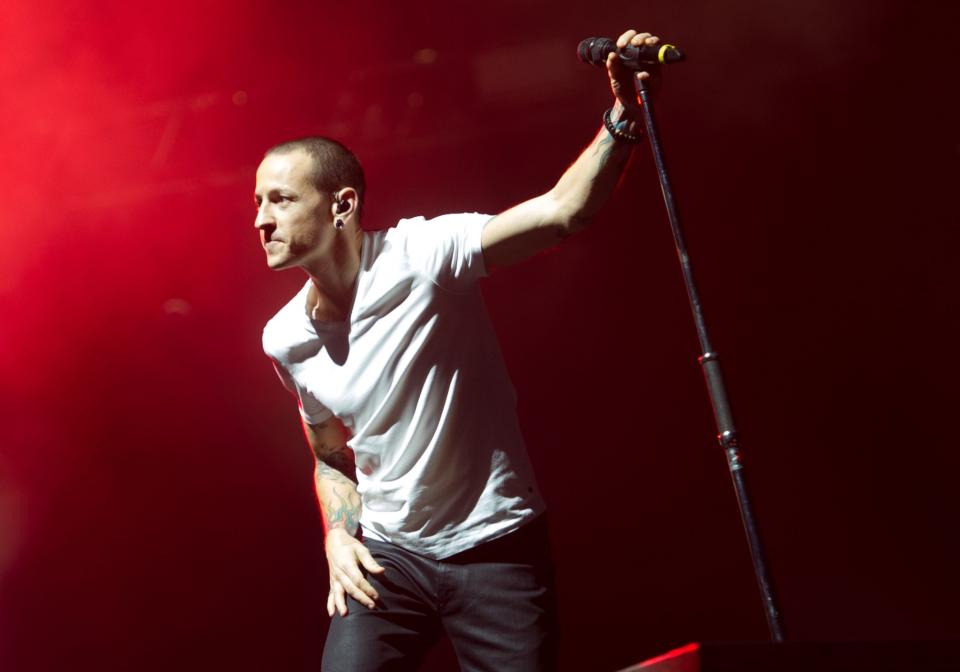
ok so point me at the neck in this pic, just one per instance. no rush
(333, 278)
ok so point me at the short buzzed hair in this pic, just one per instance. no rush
(334, 166)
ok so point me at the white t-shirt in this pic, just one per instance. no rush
(417, 377)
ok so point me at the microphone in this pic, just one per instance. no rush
(595, 49)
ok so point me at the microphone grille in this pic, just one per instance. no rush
(595, 49)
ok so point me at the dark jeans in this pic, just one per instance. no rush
(495, 602)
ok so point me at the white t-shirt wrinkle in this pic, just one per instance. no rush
(416, 375)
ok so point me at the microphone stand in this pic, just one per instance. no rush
(710, 363)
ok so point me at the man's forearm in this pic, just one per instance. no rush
(338, 497)
(588, 182)
(335, 476)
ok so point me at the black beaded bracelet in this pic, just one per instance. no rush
(617, 133)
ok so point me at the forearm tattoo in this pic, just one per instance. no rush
(336, 473)
(343, 513)
(607, 143)
(604, 147)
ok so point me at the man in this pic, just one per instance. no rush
(407, 406)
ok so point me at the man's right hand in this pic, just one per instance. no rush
(345, 555)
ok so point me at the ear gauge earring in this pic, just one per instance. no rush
(342, 206)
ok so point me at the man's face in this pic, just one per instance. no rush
(291, 214)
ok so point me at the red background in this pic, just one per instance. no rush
(156, 509)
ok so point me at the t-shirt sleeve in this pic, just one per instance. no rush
(446, 248)
(311, 410)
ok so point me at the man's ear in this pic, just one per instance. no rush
(344, 202)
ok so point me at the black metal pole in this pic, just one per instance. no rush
(710, 363)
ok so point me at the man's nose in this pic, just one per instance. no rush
(264, 217)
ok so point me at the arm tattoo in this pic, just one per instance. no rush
(604, 147)
(334, 473)
(342, 513)
(335, 479)
(606, 143)
(339, 502)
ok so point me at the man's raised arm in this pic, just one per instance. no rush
(539, 223)
(340, 507)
